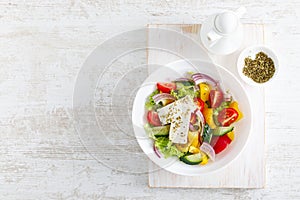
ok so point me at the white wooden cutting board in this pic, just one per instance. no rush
(248, 170)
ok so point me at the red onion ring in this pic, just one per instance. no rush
(208, 150)
(163, 96)
(156, 151)
(191, 127)
(202, 120)
(200, 78)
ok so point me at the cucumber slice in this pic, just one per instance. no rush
(160, 131)
(193, 159)
(219, 131)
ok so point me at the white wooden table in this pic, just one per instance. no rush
(43, 45)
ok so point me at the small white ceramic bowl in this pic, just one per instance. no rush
(252, 51)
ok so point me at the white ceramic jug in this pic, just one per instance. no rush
(223, 33)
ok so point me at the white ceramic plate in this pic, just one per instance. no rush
(252, 51)
(176, 70)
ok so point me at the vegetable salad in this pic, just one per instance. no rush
(201, 127)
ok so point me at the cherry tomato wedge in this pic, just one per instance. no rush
(166, 87)
(227, 116)
(199, 103)
(215, 98)
(153, 118)
(220, 143)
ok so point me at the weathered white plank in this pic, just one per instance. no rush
(43, 45)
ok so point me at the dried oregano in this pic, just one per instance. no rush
(261, 69)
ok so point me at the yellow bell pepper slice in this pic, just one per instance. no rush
(235, 106)
(208, 115)
(204, 91)
(204, 159)
(231, 135)
(167, 101)
(193, 140)
(193, 149)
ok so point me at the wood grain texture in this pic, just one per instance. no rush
(43, 45)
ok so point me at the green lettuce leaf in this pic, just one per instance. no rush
(184, 90)
(166, 147)
(148, 129)
(150, 102)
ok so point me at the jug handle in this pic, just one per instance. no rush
(213, 37)
(240, 11)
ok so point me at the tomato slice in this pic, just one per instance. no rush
(227, 116)
(220, 143)
(199, 103)
(215, 98)
(166, 87)
(153, 118)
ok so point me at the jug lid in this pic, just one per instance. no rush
(226, 22)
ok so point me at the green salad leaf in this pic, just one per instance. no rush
(166, 147)
(148, 129)
(184, 90)
(150, 102)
